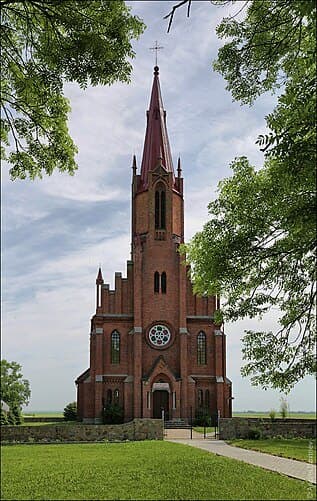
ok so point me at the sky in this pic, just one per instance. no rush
(58, 230)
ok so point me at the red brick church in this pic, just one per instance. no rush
(153, 343)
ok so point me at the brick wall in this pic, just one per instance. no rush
(138, 429)
(230, 428)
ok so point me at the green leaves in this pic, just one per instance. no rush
(45, 44)
(15, 391)
(258, 248)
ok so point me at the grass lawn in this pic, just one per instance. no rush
(147, 470)
(303, 449)
(296, 415)
(200, 429)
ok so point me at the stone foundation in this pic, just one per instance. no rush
(230, 428)
(138, 429)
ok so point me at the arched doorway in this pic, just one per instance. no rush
(160, 401)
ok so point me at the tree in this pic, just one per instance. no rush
(70, 411)
(258, 249)
(15, 391)
(45, 44)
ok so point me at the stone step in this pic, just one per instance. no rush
(177, 423)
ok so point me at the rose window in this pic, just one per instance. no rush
(159, 335)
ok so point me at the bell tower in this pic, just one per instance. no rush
(154, 345)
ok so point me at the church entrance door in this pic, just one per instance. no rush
(160, 401)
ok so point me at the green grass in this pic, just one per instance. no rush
(200, 429)
(297, 415)
(147, 470)
(303, 449)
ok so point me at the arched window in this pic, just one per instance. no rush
(200, 398)
(207, 399)
(115, 347)
(160, 208)
(116, 396)
(109, 397)
(156, 282)
(201, 349)
(163, 282)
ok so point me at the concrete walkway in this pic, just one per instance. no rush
(289, 467)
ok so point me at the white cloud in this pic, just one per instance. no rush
(56, 231)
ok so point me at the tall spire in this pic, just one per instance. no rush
(156, 144)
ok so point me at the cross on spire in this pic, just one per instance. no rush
(156, 48)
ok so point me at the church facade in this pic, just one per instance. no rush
(153, 344)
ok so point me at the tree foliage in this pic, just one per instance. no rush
(15, 391)
(45, 44)
(70, 412)
(258, 249)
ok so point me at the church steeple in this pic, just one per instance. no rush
(156, 144)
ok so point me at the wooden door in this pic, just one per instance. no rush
(160, 401)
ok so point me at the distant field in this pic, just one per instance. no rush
(299, 415)
(146, 470)
(43, 414)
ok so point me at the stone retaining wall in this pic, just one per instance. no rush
(230, 428)
(138, 429)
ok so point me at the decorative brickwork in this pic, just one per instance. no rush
(153, 310)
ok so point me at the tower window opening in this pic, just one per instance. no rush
(156, 282)
(160, 208)
(163, 282)
(109, 397)
(207, 399)
(201, 349)
(115, 347)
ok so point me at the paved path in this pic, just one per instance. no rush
(289, 467)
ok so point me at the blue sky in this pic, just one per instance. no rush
(56, 231)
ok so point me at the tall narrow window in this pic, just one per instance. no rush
(160, 208)
(163, 282)
(109, 397)
(115, 347)
(201, 349)
(157, 209)
(116, 396)
(200, 398)
(163, 209)
(207, 399)
(156, 282)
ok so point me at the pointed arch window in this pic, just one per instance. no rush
(116, 396)
(200, 398)
(109, 396)
(207, 399)
(201, 349)
(156, 282)
(160, 208)
(115, 347)
(163, 282)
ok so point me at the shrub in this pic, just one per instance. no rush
(272, 414)
(112, 414)
(202, 418)
(70, 412)
(254, 433)
(16, 411)
(4, 418)
(11, 418)
(284, 407)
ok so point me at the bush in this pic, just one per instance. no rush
(202, 418)
(272, 414)
(254, 433)
(112, 414)
(16, 411)
(4, 418)
(284, 407)
(70, 412)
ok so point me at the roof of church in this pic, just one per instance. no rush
(156, 144)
